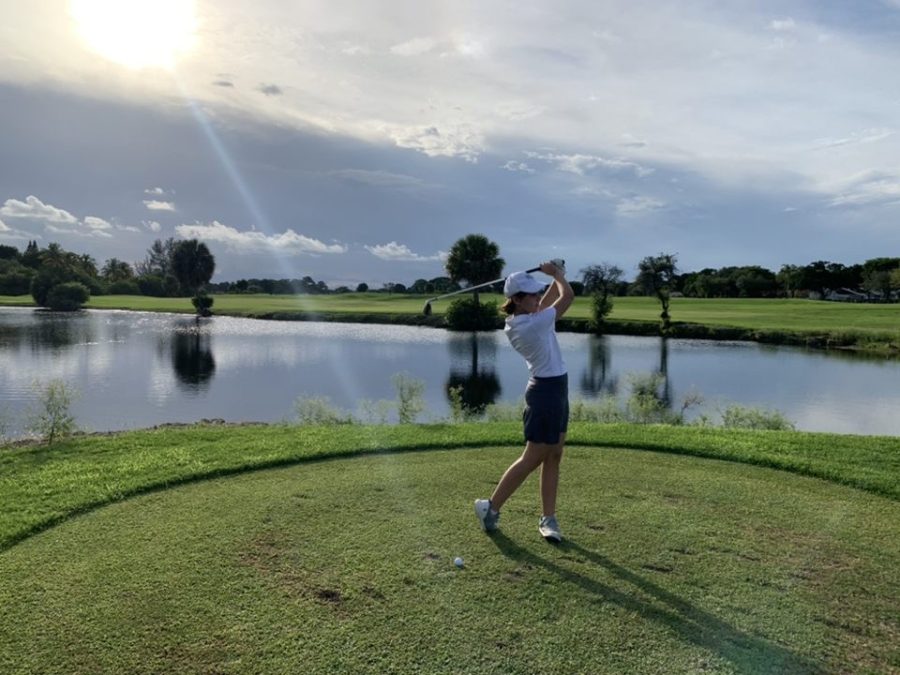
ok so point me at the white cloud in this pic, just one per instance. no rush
(869, 187)
(4, 227)
(56, 229)
(633, 206)
(34, 209)
(513, 165)
(414, 47)
(401, 252)
(239, 241)
(158, 191)
(786, 24)
(96, 224)
(460, 141)
(580, 164)
(156, 205)
(151, 225)
(856, 138)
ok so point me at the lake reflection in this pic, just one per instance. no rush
(136, 369)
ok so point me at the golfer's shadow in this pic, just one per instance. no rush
(746, 653)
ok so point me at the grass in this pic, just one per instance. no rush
(753, 314)
(338, 556)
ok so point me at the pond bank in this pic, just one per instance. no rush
(881, 345)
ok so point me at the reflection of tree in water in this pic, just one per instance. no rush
(192, 357)
(599, 378)
(666, 393)
(472, 370)
(57, 329)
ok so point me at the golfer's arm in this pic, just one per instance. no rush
(565, 294)
(550, 296)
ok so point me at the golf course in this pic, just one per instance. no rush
(254, 548)
(864, 327)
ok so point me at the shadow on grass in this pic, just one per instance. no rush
(747, 654)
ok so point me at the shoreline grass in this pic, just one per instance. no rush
(871, 328)
(41, 486)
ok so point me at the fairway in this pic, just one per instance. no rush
(672, 564)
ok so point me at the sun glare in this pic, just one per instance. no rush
(136, 33)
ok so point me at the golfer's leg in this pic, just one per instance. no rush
(518, 471)
(550, 476)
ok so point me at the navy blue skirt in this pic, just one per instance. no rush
(546, 413)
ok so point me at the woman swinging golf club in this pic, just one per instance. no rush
(531, 329)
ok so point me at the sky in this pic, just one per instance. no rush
(356, 141)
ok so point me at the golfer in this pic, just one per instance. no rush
(531, 329)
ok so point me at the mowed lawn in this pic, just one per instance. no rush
(232, 549)
(671, 564)
(756, 314)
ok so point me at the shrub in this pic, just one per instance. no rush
(15, 283)
(124, 287)
(410, 402)
(459, 411)
(51, 420)
(375, 412)
(601, 306)
(151, 285)
(742, 417)
(464, 314)
(202, 303)
(318, 410)
(68, 296)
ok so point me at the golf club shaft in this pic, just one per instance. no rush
(472, 288)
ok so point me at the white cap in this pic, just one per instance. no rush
(521, 282)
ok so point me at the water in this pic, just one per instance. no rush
(135, 369)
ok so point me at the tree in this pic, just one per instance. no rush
(192, 264)
(116, 270)
(8, 252)
(159, 259)
(655, 277)
(475, 259)
(32, 255)
(362, 288)
(601, 282)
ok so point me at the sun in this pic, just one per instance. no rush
(136, 33)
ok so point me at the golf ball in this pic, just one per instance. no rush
(458, 562)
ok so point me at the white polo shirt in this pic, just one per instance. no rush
(534, 337)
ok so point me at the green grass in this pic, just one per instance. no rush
(753, 314)
(338, 558)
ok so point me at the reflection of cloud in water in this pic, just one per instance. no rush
(160, 382)
(836, 414)
(286, 352)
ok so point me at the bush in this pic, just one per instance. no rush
(152, 285)
(464, 314)
(409, 397)
(318, 410)
(68, 296)
(740, 417)
(15, 283)
(51, 420)
(124, 287)
(202, 303)
(601, 306)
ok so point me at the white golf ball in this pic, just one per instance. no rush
(458, 562)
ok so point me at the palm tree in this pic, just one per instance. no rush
(117, 270)
(475, 259)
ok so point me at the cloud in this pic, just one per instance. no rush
(459, 141)
(270, 89)
(786, 24)
(401, 252)
(513, 165)
(377, 178)
(223, 83)
(151, 225)
(414, 47)
(157, 191)
(856, 138)
(633, 206)
(868, 187)
(156, 205)
(34, 209)
(97, 224)
(581, 164)
(287, 242)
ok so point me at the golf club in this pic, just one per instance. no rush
(427, 309)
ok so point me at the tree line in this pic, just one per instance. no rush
(63, 280)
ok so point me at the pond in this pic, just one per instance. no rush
(135, 369)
